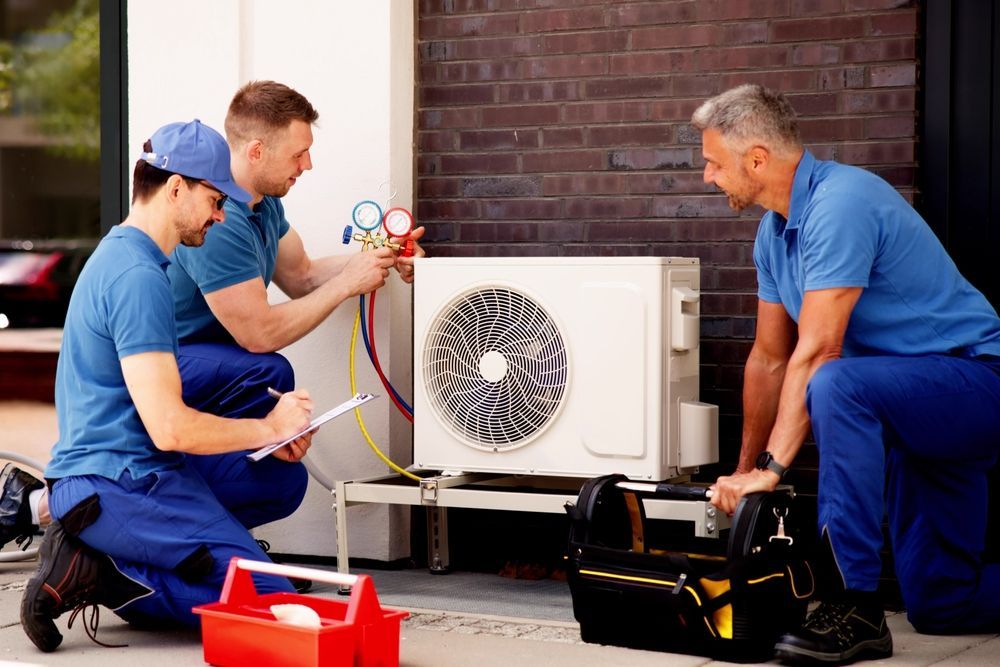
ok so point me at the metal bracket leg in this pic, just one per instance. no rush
(438, 559)
(340, 497)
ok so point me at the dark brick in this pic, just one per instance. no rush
(877, 153)
(832, 129)
(554, 161)
(437, 141)
(471, 26)
(497, 139)
(499, 186)
(498, 47)
(742, 57)
(898, 176)
(677, 35)
(609, 207)
(428, 165)
(629, 232)
(689, 206)
(815, 54)
(881, 50)
(814, 104)
(522, 209)
(897, 23)
(565, 66)
(482, 163)
(802, 30)
(721, 10)
(652, 62)
(630, 135)
(880, 101)
(438, 232)
(563, 19)
(447, 209)
(433, 188)
(605, 112)
(562, 231)
(563, 137)
(787, 81)
(520, 115)
(654, 12)
(658, 86)
(673, 109)
(651, 158)
(583, 184)
(890, 127)
(479, 70)
(699, 85)
(862, 5)
(586, 42)
(540, 91)
(439, 118)
(893, 75)
(842, 78)
(816, 7)
(744, 32)
(671, 182)
(433, 96)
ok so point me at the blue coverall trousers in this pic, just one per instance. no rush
(154, 526)
(914, 437)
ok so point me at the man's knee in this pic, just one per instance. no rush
(825, 386)
(276, 371)
(294, 478)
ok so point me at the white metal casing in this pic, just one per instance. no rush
(630, 328)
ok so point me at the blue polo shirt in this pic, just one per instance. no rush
(243, 247)
(121, 305)
(849, 228)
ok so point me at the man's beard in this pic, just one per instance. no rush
(194, 238)
(739, 202)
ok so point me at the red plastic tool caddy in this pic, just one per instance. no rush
(240, 629)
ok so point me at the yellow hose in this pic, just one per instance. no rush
(357, 411)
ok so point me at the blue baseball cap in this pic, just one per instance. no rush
(197, 151)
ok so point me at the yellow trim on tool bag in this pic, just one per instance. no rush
(667, 552)
(762, 579)
(723, 616)
(812, 579)
(635, 518)
(641, 580)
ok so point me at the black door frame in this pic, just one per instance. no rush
(114, 113)
(960, 135)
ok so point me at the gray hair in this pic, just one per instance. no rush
(750, 113)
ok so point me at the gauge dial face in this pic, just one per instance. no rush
(367, 215)
(398, 222)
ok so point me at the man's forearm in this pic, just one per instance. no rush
(762, 382)
(285, 323)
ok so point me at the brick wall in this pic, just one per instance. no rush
(560, 127)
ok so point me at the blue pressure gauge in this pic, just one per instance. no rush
(367, 215)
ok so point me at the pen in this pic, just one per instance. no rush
(273, 393)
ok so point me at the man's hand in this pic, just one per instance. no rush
(366, 271)
(404, 265)
(290, 415)
(295, 450)
(727, 491)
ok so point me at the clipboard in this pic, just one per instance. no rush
(355, 401)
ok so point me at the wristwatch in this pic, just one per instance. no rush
(765, 461)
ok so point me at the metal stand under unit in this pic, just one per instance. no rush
(492, 492)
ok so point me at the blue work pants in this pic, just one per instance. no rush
(914, 437)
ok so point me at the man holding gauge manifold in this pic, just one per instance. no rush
(228, 332)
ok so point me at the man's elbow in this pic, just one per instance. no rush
(255, 342)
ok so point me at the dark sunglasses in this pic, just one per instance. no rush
(220, 202)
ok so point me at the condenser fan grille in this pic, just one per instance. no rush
(495, 368)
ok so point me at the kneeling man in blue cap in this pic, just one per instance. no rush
(151, 498)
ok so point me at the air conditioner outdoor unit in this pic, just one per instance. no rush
(560, 366)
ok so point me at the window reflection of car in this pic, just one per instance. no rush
(36, 280)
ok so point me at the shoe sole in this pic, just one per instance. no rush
(873, 649)
(31, 593)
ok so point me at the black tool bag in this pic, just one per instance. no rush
(730, 605)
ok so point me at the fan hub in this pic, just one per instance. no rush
(493, 366)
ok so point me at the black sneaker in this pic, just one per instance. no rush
(15, 511)
(70, 576)
(838, 633)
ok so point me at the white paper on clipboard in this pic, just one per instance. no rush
(358, 399)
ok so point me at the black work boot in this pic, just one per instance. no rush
(15, 511)
(71, 575)
(838, 633)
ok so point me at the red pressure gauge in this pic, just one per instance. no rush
(397, 222)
